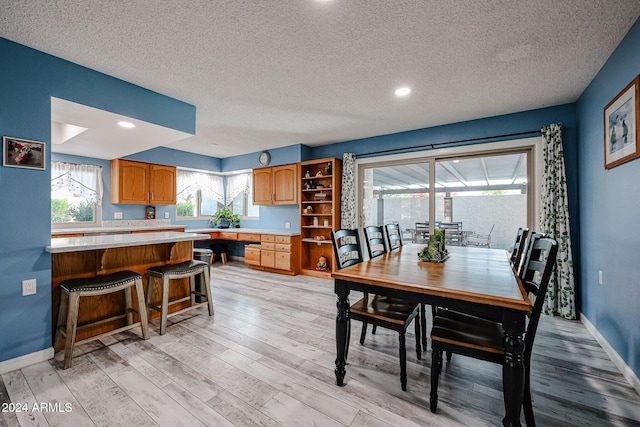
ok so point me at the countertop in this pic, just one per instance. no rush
(88, 243)
(120, 226)
(245, 230)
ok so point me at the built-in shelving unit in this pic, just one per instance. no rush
(319, 213)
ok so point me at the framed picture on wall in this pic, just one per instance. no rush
(22, 153)
(621, 118)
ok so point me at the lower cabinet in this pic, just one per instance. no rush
(280, 254)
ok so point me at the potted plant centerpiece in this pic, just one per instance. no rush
(225, 218)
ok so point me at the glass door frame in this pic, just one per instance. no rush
(530, 146)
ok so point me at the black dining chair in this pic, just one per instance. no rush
(482, 339)
(374, 238)
(378, 310)
(394, 236)
(518, 248)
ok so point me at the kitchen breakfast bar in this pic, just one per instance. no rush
(89, 256)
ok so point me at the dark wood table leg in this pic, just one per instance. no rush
(513, 368)
(342, 329)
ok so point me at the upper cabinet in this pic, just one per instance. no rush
(276, 185)
(135, 182)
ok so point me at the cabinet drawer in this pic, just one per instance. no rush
(283, 239)
(268, 246)
(267, 238)
(281, 247)
(267, 258)
(228, 236)
(252, 254)
(245, 237)
(283, 260)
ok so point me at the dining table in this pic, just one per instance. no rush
(478, 280)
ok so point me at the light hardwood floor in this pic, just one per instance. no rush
(267, 357)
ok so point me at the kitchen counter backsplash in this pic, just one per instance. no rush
(136, 223)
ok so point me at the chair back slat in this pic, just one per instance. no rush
(374, 237)
(539, 266)
(518, 247)
(346, 247)
(394, 236)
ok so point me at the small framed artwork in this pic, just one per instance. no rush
(22, 153)
(621, 118)
(150, 212)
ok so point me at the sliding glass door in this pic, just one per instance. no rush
(483, 197)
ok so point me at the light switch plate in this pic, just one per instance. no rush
(117, 215)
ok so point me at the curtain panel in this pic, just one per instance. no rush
(554, 221)
(189, 183)
(348, 198)
(81, 180)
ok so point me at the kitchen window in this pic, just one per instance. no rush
(199, 194)
(238, 196)
(76, 195)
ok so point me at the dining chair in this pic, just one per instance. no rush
(453, 233)
(422, 232)
(482, 339)
(374, 238)
(394, 236)
(518, 248)
(480, 240)
(378, 310)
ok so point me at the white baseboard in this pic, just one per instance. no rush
(626, 371)
(26, 360)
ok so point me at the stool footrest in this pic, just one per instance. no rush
(106, 334)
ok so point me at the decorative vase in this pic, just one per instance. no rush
(223, 223)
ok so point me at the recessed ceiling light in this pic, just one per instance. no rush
(127, 125)
(403, 91)
(213, 145)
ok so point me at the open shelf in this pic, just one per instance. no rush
(326, 208)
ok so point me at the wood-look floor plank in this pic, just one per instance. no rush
(267, 356)
(164, 410)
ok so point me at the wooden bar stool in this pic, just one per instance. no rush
(219, 249)
(73, 289)
(182, 270)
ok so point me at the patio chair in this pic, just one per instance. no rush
(480, 240)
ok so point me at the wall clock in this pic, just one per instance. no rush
(265, 158)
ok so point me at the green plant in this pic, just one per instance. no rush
(82, 212)
(225, 214)
(185, 209)
(59, 210)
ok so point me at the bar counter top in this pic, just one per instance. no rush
(88, 243)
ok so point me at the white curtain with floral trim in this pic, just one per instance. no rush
(348, 198)
(189, 182)
(81, 180)
(237, 184)
(554, 221)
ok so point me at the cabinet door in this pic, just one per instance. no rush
(267, 258)
(162, 184)
(262, 186)
(285, 185)
(129, 182)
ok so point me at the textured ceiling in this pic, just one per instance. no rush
(266, 74)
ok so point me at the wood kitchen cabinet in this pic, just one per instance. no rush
(277, 185)
(135, 182)
(275, 253)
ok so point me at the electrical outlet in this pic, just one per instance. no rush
(166, 215)
(28, 287)
(600, 277)
(287, 225)
(117, 215)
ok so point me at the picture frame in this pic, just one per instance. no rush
(23, 153)
(621, 119)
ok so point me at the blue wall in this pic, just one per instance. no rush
(28, 80)
(610, 207)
